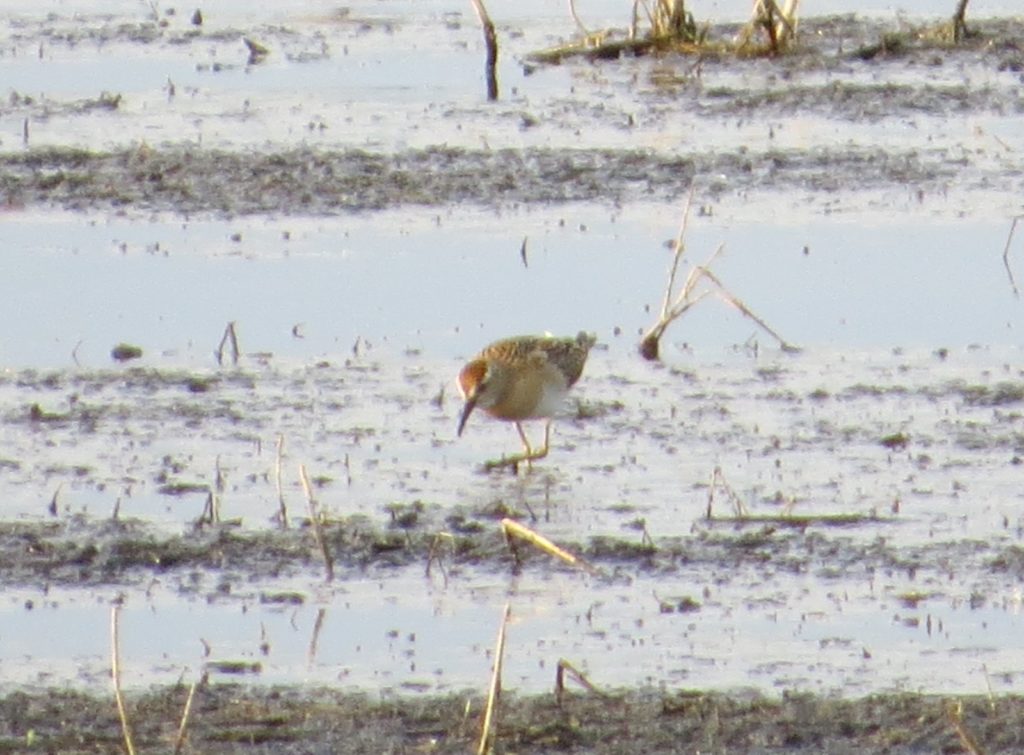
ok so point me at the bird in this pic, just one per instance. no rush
(521, 378)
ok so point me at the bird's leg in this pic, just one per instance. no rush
(528, 457)
(547, 441)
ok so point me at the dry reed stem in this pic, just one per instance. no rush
(206, 516)
(54, 507)
(491, 43)
(779, 23)
(314, 640)
(672, 27)
(988, 685)
(566, 669)
(802, 521)
(680, 248)
(576, 18)
(511, 528)
(672, 21)
(668, 21)
(230, 337)
(634, 23)
(954, 711)
(735, 301)
(636, 16)
(219, 481)
(672, 309)
(460, 732)
(179, 740)
(115, 672)
(718, 480)
(282, 507)
(494, 690)
(683, 302)
(257, 52)
(646, 540)
(435, 554)
(314, 518)
(688, 296)
(960, 21)
(1006, 256)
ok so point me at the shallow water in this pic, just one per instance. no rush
(353, 325)
(404, 634)
(426, 281)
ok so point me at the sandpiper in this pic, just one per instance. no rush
(520, 378)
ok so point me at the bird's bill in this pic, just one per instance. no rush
(466, 411)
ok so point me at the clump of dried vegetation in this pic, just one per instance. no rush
(667, 25)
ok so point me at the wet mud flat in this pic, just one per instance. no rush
(230, 718)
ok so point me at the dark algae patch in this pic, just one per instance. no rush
(228, 718)
(328, 182)
(85, 552)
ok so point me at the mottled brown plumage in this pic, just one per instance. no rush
(521, 378)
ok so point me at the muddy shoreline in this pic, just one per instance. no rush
(227, 718)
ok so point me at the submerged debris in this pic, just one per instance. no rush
(124, 352)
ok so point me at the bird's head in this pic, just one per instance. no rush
(474, 381)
